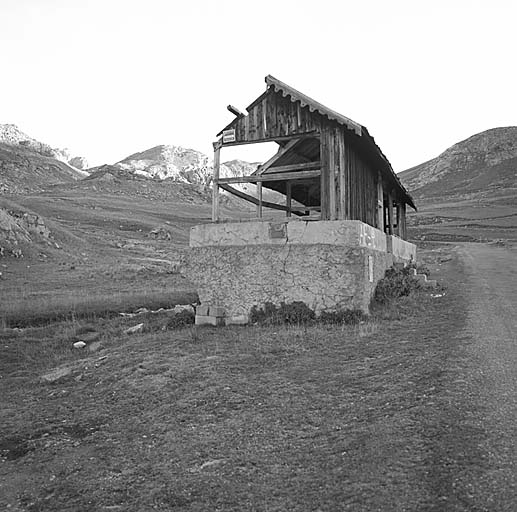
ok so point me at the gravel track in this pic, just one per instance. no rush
(490, 287)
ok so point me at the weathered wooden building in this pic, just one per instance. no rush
(325, 163)
(345, 209)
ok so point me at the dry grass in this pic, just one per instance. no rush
(259, 418)
(24, 311)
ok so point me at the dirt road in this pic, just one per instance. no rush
(490, 288)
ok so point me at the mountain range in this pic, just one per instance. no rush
(471, 186)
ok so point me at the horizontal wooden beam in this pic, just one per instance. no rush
(297, 210)
(293, 167)
(273, 139)
(281, 176)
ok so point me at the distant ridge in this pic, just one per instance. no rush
(180, 164)
(11, 135)
(483, 163)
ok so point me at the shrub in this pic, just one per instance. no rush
(181, 319)
(298, 313)
(395, 283)
(293, 313)
(343, 316)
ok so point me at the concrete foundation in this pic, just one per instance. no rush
(329, 265)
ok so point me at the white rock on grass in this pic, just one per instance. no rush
(57, 374)
(79, 344)
(134, 329)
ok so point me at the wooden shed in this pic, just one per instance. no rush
(327, 165)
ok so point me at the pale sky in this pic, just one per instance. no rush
(107, 78)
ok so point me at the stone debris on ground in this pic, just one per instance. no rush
(57, 374)
(136, 328)
(95, 346)
(175, 310)
(79, 344)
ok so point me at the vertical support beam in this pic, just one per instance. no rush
(259, 195)
(215, 182)
(332, 175)
(390, 214)
(288, 198)
(380, 203)
(398, 220)
(403, 229)
(325, 181)
(342, 176)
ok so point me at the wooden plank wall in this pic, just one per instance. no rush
(275, 116)
(348, 183)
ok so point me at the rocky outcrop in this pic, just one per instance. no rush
(487, 160)
(11, 235)
(18, 228)
(79, 162)
(180, 164)
(27, 164)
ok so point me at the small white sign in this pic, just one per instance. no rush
(228, 136)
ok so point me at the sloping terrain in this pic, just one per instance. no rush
(23, 170)
(109, 238)
(11, 135)
(485, 162)
(469, 192)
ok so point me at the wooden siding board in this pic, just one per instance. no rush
(324, 174)
(342, 177)
(331, 173)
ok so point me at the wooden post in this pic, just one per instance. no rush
(390, 214)
(259, 195)
(288, 198)
(331, 148)
(380, 203)
(398, 232)
(342, 177)
(324, 158)
(403, 229)
(215, 183)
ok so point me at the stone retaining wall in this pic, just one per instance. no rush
(328, 265)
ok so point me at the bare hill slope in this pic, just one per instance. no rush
(469, 192)
(484, 162)
(23, 170)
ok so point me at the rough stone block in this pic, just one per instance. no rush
(202, 310)
(237, 320)
(209, 320)
(217, 311)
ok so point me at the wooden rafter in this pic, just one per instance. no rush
(304, 166)
(281, 176)
(297, 210)
(281, 152)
